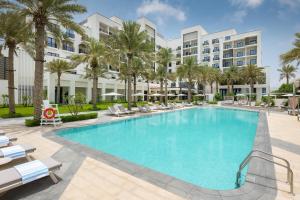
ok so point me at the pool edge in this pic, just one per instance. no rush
(181, 188)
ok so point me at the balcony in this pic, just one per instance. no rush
(216, 58)
(227, 47)
(215, 41)
(68, 46)
(227, 56)
(205, 43)
(216, 50)
(70, 34)
(251, 42)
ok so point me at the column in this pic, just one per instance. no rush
(103, 91)
(89, 91)
(72, 88)
(51, 87)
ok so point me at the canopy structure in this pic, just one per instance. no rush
(240, 95)
(290, 95)
(181, 95)
(113, 94)
(138, 95)
(155, 95)
(171, 95)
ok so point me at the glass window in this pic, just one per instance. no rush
(253, 61)
(51, 42)
(227, 38)
(68, 46)
(240, 63)
(253, 52)
(70, 33)
(240, 54)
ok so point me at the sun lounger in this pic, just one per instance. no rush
(115, 112)
(142, 109)
(148, 108)
(28, 172)
(2, 132)
(17, 151)
(6, 141)
(123, 110)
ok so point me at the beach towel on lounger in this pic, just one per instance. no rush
(31, 171)
(4, 140)
(13, 152)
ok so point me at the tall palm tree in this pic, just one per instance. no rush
(14, 31)
(96, 59)
(164, 57)
(218, 78)
(252, 74)
(138, 67)
(230, 76)
(160, 76)
(189, 70)
(293, 54)
(132, 43)
(58, 66)
(41, 15)
(287, 72)
(202, 76)
(211, 78)
(149, 75)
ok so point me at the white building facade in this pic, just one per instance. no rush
(219, 50)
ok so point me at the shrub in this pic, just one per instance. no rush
(212, 102)
(268, 100)
(73, 118)
(16, 115)
(285, 88)
(218, 97)
(32, 122)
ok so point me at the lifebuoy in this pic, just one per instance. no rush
(51, 115)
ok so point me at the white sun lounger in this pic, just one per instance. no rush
(123, 110)
(2, 132)
(12, 178)
(6, 141)
(17, 151)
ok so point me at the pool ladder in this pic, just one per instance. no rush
(290, 174)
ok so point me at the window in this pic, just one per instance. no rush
(264, 90)
(240, 63)
(216, 65)
(253, 61)
(216, 49)
(206, 42)
(228, 55)
(240, 44)
(170, 64)
(52, 54)
(70, 33)
(240, 54)
(215, 41)
(51, 42)
(170, 70)
(68, 46)
(3, 68)
(206, 59)
(216, 57)
(207, 50)
(227, 46)
(178, 63)
(253, 52)
(227, 37)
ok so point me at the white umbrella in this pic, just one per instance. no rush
(138, 95)
(181, 95)
(290, 95)
(113, 94)
(171, 95)
(240, 95)
(155, 95)
(199, 95)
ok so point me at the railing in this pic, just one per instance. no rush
(290, 174)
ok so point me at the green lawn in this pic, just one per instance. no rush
(28, 111)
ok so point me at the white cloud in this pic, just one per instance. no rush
(238, 16)
(162, 10)
(247, 3)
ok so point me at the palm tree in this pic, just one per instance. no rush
(202, 76)
(96, 59)
(189, 70)
(294, 54)
(149, 75)
(58, 66)
(287, 72)
(164, 57)
(230, 76)
(160, 76)
(14, 31)
(252, 74)
(218, 78)
(211, 78)
(41, 15)
(131, 43)
(138, 67)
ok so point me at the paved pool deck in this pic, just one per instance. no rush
(86, 175)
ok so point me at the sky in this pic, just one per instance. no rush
(278, 20)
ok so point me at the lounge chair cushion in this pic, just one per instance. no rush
(27, 149)
(11, 176)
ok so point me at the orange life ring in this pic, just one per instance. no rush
(52, 113)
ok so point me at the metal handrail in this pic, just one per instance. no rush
(290, 174)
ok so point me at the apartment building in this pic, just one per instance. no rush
(220, 50)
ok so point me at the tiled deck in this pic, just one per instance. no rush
(89, 178)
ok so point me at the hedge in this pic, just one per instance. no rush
(65, 119)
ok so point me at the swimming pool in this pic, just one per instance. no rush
(203, 146)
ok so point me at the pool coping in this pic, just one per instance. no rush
(256, 187)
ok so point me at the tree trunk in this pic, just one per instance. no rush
(125, 88)
(180, 89)
(161, 90)
(287, 79)
(211, 88)
(217, 87)
(11, 79)
(134, 87)
(148, 90)
(58, 88)
(189, 91)
(39, 69)
(129, 92)
(95, 88)
(166, 92)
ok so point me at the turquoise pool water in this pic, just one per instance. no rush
(203, 146)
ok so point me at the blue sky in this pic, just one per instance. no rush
(277, 19)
